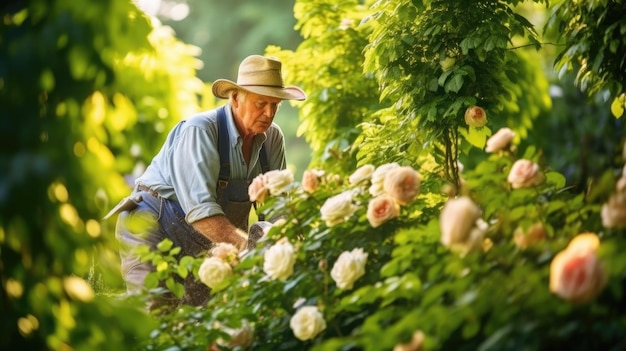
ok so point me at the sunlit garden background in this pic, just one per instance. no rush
(455, 178)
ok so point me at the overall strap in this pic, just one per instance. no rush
(223, 148)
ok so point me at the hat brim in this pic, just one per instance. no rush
(221, 87)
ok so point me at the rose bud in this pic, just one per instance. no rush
(475, 116)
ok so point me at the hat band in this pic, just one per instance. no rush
(261, 85)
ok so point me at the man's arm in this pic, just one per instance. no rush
(219, 229)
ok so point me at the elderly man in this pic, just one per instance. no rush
(196, 187)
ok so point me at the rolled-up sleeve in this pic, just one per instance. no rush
(194, 168)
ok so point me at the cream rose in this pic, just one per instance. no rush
(381, 209)
(576, 273)
(416, 343)
(278, 181)
(378, 178)
(349, 267)
(613, 212)
(279, 260)
(362, 174)
(338, 208)
(257, 190)
(311, 180)
(475, 116)
(402, 184)
(213, 271)
(500, 140)
(307, 323)
(462, 229)
(239, 337)
(525, 174)
(526, 238)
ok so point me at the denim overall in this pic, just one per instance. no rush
(232, 195)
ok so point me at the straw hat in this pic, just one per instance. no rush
(260, 75)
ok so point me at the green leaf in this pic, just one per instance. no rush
(455, 84)
(165, 245)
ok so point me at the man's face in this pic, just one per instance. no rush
(255, 113)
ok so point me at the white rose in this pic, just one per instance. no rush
(402, 184)
(362, 173)
(614, 211)
(378, 178)
(525, 174)
(500, 140)
(338, 208)
(576, 273)
(349, 267)
(462, 229)
(279, 260)
(278, 181)
(307, 323)
(257, 190)
(213, 271)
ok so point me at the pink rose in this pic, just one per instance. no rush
(576, 274)
(402, 184)
(381, 209)
(525, 174)
(500, 140)
(257, 190)
(462, 229)
(475, 116)
(311, 180)
(614, 211)
(534, 234)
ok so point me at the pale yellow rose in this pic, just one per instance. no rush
(402, 184)
(500, 140)
(279, 260)
(78, 289)
(416, 343)
(475, 116)
(462, 229)
(525, 174)
(576, 273)
(349, 267)
(239, 337)
(362, 174)
(381, 209)
(337, 209)
(307, 323)
(257, 190)
(278, 181)
(527, 238)
(378, 178)
(613, 212)
(311, 180)
(213, 271)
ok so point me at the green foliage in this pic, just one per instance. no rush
(593, 32)
(77, 82)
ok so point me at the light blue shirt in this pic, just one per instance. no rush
(186, 169)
